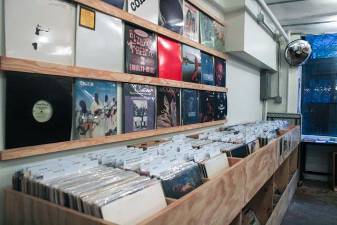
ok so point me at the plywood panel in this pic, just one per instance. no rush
(293, 162)
(281, 176)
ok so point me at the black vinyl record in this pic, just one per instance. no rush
(38, 109)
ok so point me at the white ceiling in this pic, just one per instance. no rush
(306, 16)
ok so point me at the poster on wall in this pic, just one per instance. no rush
(220, 72)
(206, 30)
(168, 107)
(207, 69)
(207, 103)
(116, 3)
(191, 22)
(95, 108)
(139, 107)
(146, 9)
(220, 105)
(189, 106)
(140, 51)
(99, 41)
(219, 37)
(191, 64)
(171, 15)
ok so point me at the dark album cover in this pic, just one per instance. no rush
(206, 109)
(220, 72)
(219, 37)
(140, 51)
(38, 109)
(95, 108)
(191, 64)
(168, 107)
(189, 106)
(207, 69)
(191, 22)
(139, 107)
(220, 105)
(116, 3)
(206, 30)
(171, 15)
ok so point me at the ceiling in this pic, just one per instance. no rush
(306, 16)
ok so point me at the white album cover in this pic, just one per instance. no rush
(40, 30)
(100, 42)
(216, 165)
(146, 9)
(191, 22)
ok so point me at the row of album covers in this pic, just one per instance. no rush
(44, 109)
(97, 40)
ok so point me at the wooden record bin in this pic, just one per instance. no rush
(248, 183)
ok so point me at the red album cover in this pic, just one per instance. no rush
(169, 59)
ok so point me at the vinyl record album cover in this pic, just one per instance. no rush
(207, 69)
(206, 109)
(139, 107)
(171, 15)
(38, 109)
(219, 37)
(40, 30)
(101, 47)
(220, 105)
(95, 108)
(116, 3)
(140, 51)
(220, 72)
(191, 64)
(206, 30)
(169, 59)
(168, 107)
(191, 22)
(146, 9)
(189, 106)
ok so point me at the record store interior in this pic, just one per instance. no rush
(168, 112)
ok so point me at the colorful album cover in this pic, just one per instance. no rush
(168, 107)
(116, 3)
(206, 30)
(206, 109)
(191, 22)
(189, 106)
(140, 51)
(169, 59)
(171, 15)
(95, 108)
(191, 64)
(220, 72)
(207, 69)
(219, 37)
(146, 9)
(139, 107)
(220, 105)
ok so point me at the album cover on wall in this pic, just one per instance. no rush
(171, 15)
(219, 37)
(220, 72)
(189, 106)
(191, 64)
(140, 51)
(168, 107)
(95, 108)
(207, 69)
(38, 109)
(139, 107)
(206, 30)
(99, 41)
(169, 59)
(191, 22)
(220, 105)
(116, 3)
(146, 9)
(206, 109)
(32, 32)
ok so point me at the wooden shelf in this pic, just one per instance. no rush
(17, 153)
(123, 15)
(30, 66)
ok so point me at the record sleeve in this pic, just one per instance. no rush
(36, 30)
(171, 15)
(95, 108)
(146, 9)
(168, 107)
(38, 109)
(140, 51)
(219, 37)
(101, 47)
(116, 3)
(220, 105)
(206, 30)
(139, 107)
(206, 106)
(191, 22)
(169, 59)
(191, 64)
(220, 72)
(189, 106)
(207, 69)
